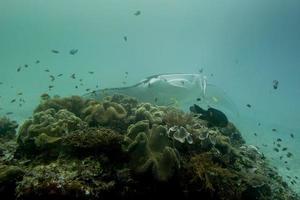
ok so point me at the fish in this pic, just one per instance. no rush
(169, 89)
(20, 93)
(26, 66)
(73, 76)
(292, 135)
(125, 38)
(279, 140)
(47, 70)
(52, 78)
(274, 129)
(91, 72)
(284, 148)
(9, 113)
(50, 87)
(55, 51)
(19, 69)
(73, 51)
(13, 101)
(137, 13)
(276, 149)
(37, 62)
(289, 154)
(275, 84)
(59, 75)
(248, 105)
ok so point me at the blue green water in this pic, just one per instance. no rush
(241, 45)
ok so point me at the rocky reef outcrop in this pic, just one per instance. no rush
(75, 148)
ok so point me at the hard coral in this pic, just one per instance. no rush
(94, 141)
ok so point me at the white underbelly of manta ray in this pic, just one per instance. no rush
(175, 89)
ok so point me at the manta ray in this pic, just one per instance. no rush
(177, 89)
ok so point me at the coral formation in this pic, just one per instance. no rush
(47, 126)
(119, 148)
(7, 128)
(97, 113)
(151, 151)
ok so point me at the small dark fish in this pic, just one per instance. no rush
(125, 38)
(94, 92)
(80, 80)
(284, 148)
(278, 145)
(248, 105)
(274, 130)
(90, 72)
(275, 84)
(76, 86)
(198, 99)
(55, 51)
(276, 149)
(88, 89)
(13, 101)
(279, 139)
(296, 177)
(52, 78)
(59, 75)
(155, 99)
(201, 70)
(50, 87)
(259, 124)
(288, 168)
(292, 135)
(19, 69)
(289, 154)
(47, 70)
(285, 162)
(20, 93)
(37, 62)
(255, 134)
(9, 113)
(73, 76)
(137, 13)
(26, 66)
(73, 51)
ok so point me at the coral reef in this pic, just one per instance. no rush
(97, 113)
(151, 151)
(7, 128)
(119, 148)
(46, 127)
